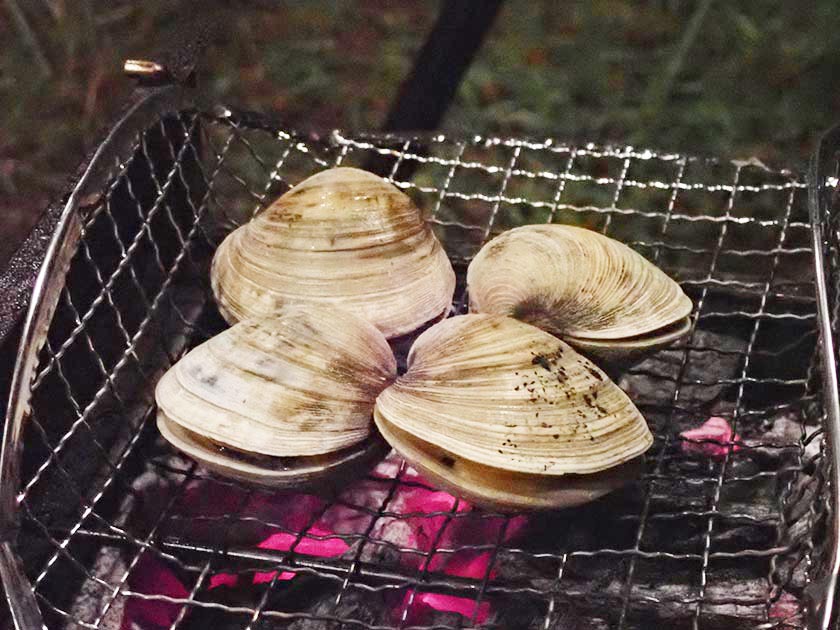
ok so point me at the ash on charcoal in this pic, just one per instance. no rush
(784, 438)
(523, 614)
(303, 595)
(732, 603)
(569, 617)
(717, 357)
(109, 566)
(659, 596)
(360, 606)
(367, 608)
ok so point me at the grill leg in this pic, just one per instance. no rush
(455, 38)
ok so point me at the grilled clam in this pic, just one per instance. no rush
(280, 400)
(507, 415)
(596, 293)
(343, 237)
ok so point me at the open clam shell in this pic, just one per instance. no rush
(502, 489)
(298, 387)
(623, 353)
(343, 237)
(579, 284)
(318, 471)
(510, 416)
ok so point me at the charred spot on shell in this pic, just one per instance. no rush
(360, 408)
(542, 361)
(198, 373)
(342, 365)
(290, 217)
(493, 249)
(313, 413)
(593, 372)
(346, 367)
(537, 310)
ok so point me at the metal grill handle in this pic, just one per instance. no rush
(147, 107)
(820, 194)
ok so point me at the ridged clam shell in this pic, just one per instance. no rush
(498, 489)
(327, 471)
(503, 394)
(343, 237)
(299, 383)
(622, 353)
(574, 282)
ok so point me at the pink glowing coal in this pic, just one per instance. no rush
(417, 518)
(449, 529)
(151, 577)
(786, 608)
(714, 438)
(321, 545)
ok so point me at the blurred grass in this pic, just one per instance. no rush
(756, 78)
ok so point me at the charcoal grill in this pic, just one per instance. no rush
(744, 536)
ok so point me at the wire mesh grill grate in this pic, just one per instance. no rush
(118, 526)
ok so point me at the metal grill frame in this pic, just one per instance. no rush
(114, 153)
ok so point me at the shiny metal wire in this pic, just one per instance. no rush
(124, 292)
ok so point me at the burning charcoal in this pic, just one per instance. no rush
(372, 609)
(787, 609)
(360, 606)
(720, 358)
(572, 618)
(780, 437)
(719, 611)
(801, 497)
(152, 577)
(108, 566)
(714, 438)
(318, 542)
(440, 609)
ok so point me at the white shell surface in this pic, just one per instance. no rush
(297, 471)
(343, 237)
(499, 392)
(499, 489)
(627, 351)
(300, 383)
(572, 281)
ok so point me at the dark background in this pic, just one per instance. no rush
(738, 79)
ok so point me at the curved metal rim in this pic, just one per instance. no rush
(148, 106)
(817, 205)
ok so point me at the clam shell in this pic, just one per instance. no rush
(623, 353)
(319, 471)
(301, 383)
(505, 395)
(343, 237)
(504, 490)
(574, 282)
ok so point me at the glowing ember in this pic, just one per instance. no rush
(786, 608)
(152, 577)
(321, 545)
(419, 518)
(714, 438)
(465, 606)
(444, 522)
(476, 568)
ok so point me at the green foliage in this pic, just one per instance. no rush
(754, 78)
